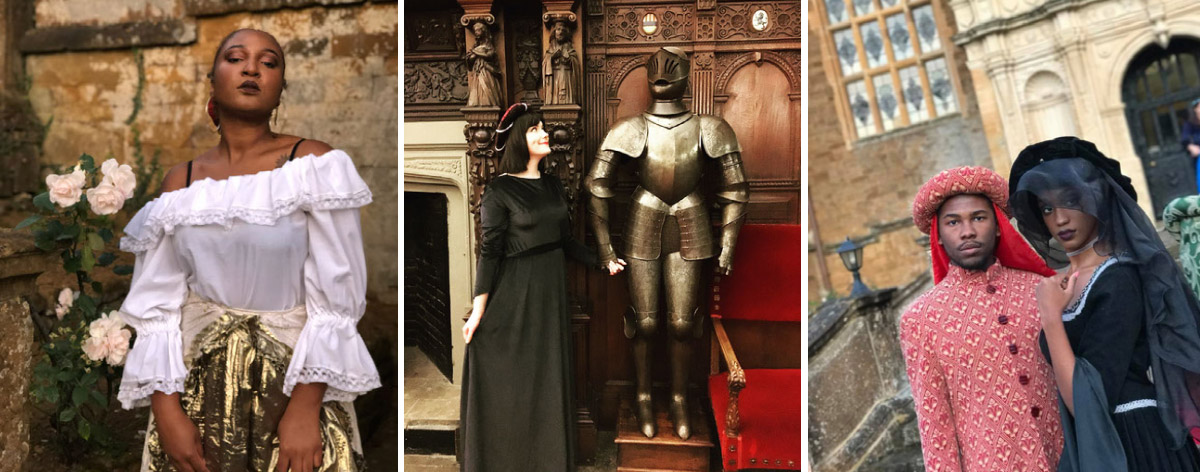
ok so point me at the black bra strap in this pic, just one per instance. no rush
(294, 148)
(189, 175)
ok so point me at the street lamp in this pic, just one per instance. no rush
(851, 255)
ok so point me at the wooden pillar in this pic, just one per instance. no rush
(481, 120)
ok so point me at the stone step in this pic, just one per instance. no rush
(665, 451)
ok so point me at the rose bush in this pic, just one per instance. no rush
(84, 348)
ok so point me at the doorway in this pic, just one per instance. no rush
(1157, 88)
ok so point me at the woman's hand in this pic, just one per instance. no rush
(300, 447)
(1193, 150)
(179, 437)
(470, 326)
(1052, 298)
(615, 266)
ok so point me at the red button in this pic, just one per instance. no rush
(1036, 411)
(1002, 319)
(1024, 379)
(991, 289)
(1012, 348)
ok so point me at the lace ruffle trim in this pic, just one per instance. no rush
(136, 394)
(154, 228)
(341, 386)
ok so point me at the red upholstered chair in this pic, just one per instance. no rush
(758, 309)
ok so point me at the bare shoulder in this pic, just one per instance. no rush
(314, 147)
(175, 179)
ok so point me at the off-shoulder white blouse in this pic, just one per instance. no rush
(269, 241)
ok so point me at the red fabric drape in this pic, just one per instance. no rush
(1011, 250)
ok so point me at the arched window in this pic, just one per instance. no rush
(893, 66)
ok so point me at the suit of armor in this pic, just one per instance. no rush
(668, 235)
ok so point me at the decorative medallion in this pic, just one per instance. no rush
(650, 24)
(760, 22)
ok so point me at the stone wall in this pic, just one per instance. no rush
(860, 406)
(342, 72)
(20, 264)
(863, 188)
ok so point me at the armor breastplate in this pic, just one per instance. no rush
(673, 163)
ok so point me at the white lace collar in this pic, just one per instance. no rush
(325, 182)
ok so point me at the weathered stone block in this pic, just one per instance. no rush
(76, 37)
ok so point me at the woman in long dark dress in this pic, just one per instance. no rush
(516, 405)
(1120, 329)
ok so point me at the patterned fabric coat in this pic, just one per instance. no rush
(1181, 218)
(985, 397)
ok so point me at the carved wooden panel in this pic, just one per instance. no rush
(435, 82)
(765, 121)
(432, 32)
(675, 23)
(736, 21)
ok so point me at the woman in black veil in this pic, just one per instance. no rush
(1121, 329)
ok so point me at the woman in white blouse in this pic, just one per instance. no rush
(249, 282)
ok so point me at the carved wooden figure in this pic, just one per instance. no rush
(484, 77)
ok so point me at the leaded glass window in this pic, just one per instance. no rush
(860, 108)
(895, 71)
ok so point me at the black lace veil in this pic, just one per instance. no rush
(1071, 173)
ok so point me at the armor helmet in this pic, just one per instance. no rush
(667, 71)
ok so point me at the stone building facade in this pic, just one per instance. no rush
(1117, 73)
(862, 187)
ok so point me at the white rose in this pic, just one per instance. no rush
(65, 189)
(117, 343)
(66, 298)
(100, 327)
(95, 348)
(60, 312)
(105, 199)
(120, 175)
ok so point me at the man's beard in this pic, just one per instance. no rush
(982, 264)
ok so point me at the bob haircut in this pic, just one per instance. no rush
(516, 150)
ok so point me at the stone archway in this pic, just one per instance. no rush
(1156, 88)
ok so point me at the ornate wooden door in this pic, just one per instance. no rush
(1158, 86)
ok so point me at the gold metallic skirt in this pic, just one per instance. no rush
(236, 362)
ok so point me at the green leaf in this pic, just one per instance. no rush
(43, 243)
(89, 260)
(87, 163)
(79, 395)
(95, 241)
(87, 305)
(64, 376)
(99, 399)
(42, 201)
(106, 259)
(66, 415)
(123, 269)
(89, 379)
(106, 234)
(98, 287)
(29, 221)
(85, 428)
(52, 395)
(73, 264)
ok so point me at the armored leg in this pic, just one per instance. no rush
(640, 326)
(683, 294)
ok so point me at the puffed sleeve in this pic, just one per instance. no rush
(1116, 321)
(931, 395)
(158, 289)
(493, 217)
(329, 349)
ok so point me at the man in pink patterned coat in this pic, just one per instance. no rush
(984, 396)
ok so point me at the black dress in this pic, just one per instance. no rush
(516, 406)
(1113, 391)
